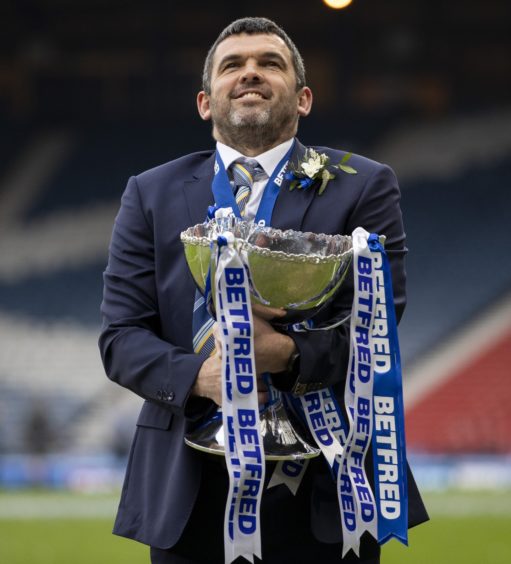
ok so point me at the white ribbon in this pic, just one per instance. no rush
(358, 513)
(242, 437)
(289, 473)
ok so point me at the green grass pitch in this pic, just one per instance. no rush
(64, 528)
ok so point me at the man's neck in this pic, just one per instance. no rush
(268, 160)
(251, 149)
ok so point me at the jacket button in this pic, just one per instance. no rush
(159, 395)
(170, 396)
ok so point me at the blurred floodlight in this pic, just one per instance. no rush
(337, 4)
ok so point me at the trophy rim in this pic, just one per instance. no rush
(188, 238)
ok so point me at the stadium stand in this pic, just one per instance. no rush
(455, 179)
(469, 411)
(464, 408)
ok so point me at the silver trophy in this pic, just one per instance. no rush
(297, 271)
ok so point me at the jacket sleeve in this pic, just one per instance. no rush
(133, 353)
(324, 354)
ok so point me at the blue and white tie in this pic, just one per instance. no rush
(244, 173)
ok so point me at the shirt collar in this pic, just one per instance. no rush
(268, 160)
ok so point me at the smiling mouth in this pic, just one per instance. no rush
(251, 95)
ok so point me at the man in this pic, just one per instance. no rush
(173, 499)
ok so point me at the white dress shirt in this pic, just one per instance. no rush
(268, 161)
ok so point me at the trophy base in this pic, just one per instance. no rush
(281, 441)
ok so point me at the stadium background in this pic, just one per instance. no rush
(94, 91)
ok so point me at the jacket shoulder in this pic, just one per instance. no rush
(358, 162)
(183, 167)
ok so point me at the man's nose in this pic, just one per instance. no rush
(251, 72)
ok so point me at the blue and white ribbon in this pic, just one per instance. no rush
(388, 443)
(289, 473)
(242, 437)
(374, 407)
(358, 512)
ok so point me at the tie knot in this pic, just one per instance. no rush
(245, 172)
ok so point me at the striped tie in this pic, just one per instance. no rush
(244, 174)
(202, 328)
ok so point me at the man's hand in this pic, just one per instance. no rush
(209, 380)
(268, 313)
(208, 383)
(272, 349)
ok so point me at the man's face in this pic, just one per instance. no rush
(253, 97)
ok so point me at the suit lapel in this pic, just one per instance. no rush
(197, 191)
(291, 206)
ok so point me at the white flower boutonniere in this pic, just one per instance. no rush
(315, 167)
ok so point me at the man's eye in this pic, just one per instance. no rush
(230, 66)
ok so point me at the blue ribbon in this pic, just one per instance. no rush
(224, 196)
(303, 183)
(211, 212)
(388, 448)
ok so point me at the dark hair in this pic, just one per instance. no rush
(253, 26)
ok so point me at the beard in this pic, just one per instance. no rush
(249, 127)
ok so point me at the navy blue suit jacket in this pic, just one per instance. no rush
(146, 340)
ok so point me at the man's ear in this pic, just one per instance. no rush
(203, 105)
(304, 101)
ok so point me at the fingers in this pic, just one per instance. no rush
(209, 379)
(263, 395)
(261, 327)
(261, 322)
(268, 313)
(263, 333)
(217, 335)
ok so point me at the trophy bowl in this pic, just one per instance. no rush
(289, 269)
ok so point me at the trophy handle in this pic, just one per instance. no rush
(329, 325)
